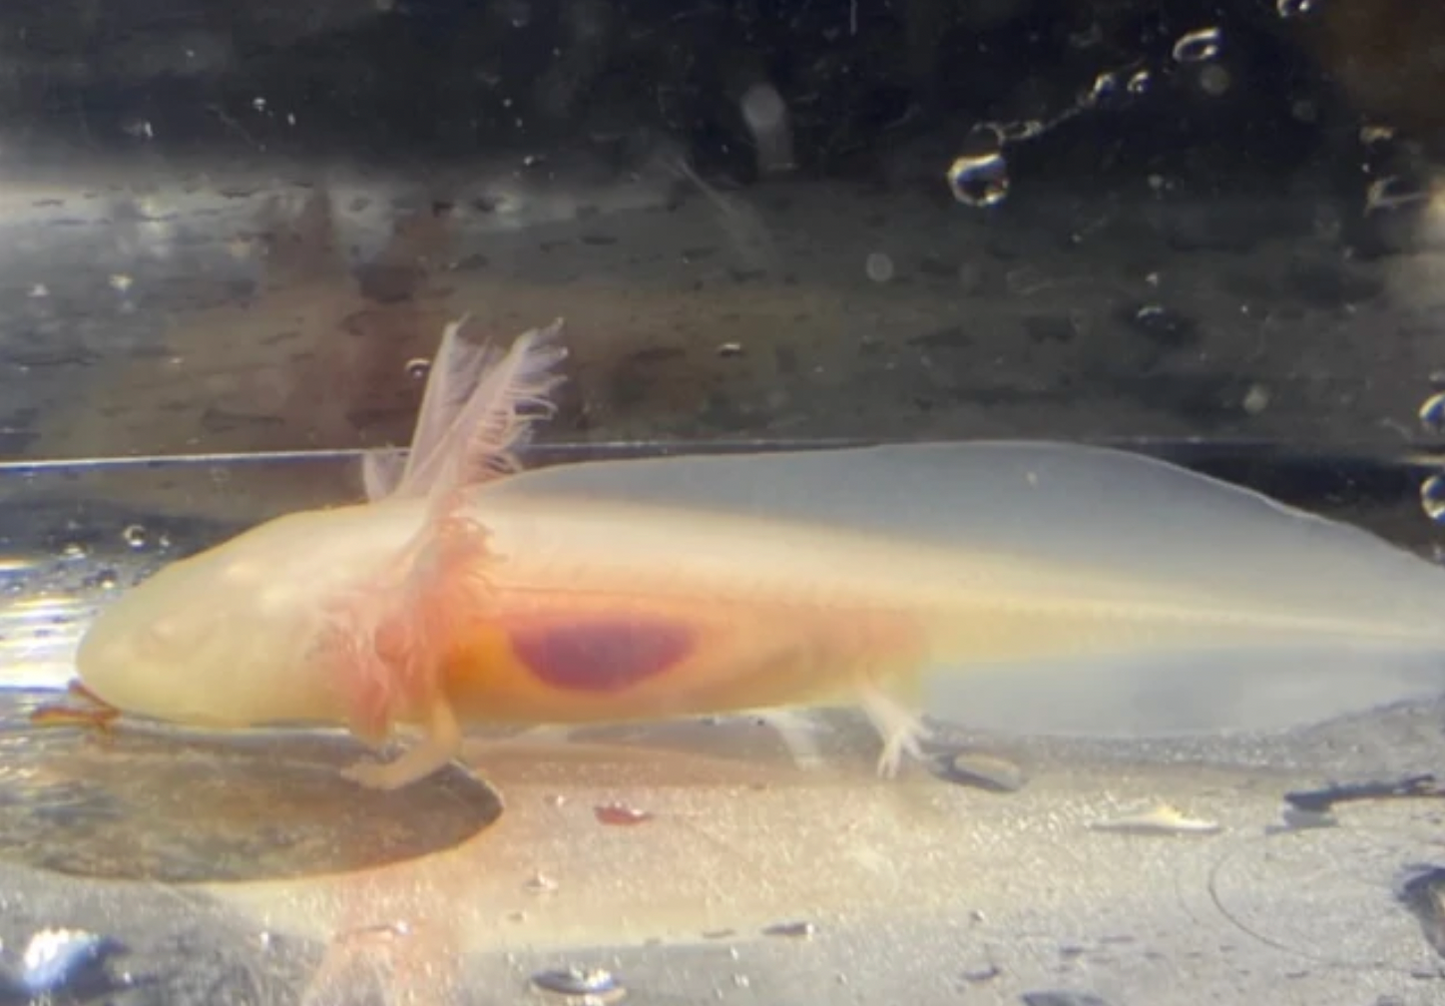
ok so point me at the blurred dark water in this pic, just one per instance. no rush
(861, 78)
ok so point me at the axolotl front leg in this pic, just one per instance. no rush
(387, 641)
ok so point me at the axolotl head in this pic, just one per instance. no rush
(226, 638)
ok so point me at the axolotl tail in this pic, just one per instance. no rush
(1080, 590)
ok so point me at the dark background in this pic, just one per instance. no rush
(429, 78)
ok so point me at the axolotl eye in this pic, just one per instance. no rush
(161, 633)
(177, 632)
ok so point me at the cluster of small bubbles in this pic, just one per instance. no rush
(418, 368)
(879, 267)
(1432, 498)
(1198, 45)
(1107, 85)
(1293, 8)
(978, 176)
(1432, 419)
(136, 536)
(1432, 413)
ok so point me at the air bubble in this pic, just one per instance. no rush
(1432, 413)
(1140, 82)
(1256, 400)
(1392, 192)
(1018, 132)
(57, 964)
(540, 883)
(763, 108)
(1215, 81)
(766, 115)
(1432, 498)
(592, 985)
(1372, 132)
(418, 368)
(1198, 45)
(136, 536)
(979, 175)
(879, 267)
(1294, 8)
(1105, 86)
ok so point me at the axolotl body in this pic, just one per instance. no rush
(1019, 585)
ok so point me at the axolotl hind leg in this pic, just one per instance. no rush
(901, 731)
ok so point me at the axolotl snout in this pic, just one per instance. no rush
(186, 647)
(1029, 586)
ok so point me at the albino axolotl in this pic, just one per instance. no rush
(1015, 585)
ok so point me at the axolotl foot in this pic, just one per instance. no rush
(94, 713)
(414, 765)
(901, 731)
(434, 752)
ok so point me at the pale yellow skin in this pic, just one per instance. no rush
(1038, 585)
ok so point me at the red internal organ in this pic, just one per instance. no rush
(601, 655)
